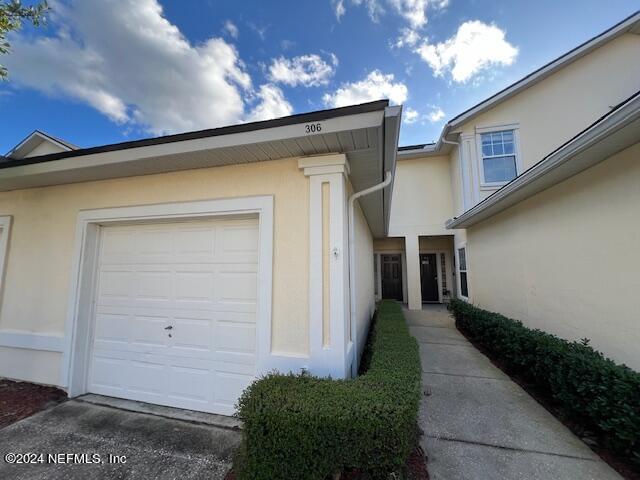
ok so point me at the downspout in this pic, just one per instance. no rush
(352, 272)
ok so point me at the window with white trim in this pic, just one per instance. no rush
(499, 163)
(462, 271)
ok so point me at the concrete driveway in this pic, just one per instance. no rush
(479, 424)
(154, 447)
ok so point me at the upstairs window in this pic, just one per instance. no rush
(498, 157)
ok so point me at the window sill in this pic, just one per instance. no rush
(492, 186)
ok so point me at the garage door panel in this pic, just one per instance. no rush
(146, 377)
(238, 287)
(148, 332)
(195, 286)
(192, 334)
(112, 328)
(199, 279)
(196, 241)
(235, 338)
(116, 284)
(231, 386)
(153, 242)
(192, 384)
(106, 373)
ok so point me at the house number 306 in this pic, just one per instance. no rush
(313, 127)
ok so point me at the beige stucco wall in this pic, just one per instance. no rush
(566, 261)
(365, 302)
(422, 200)
(42, 240)
(556, 109)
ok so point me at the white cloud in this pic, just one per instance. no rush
(435, 115)
(338, 8)
(407, 38)
(272, 104)
(126, 60)
(231, 28)
(307, 70)
(374, 86)
(475, 47)
(410, 115)
(374, 8)
(413, 11)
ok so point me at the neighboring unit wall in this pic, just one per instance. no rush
(365, 301)
(422, 200)
(566, 260)
(553, 111)
(42, 242)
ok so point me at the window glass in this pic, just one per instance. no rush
(462, 260)
(499, 169)
(464, 289)
(462, 255)
(498, 156)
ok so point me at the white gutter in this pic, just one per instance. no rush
(352, 271)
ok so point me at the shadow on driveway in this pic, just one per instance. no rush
(154, 447)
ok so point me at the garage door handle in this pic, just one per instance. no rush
(170, 327)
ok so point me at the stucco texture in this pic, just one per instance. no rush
(42, 241)
(565, 260)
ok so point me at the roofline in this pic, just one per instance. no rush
(212, 132)
(414, 147)
(537, 75)
(624, 113)
(548, 69)
(62, 143)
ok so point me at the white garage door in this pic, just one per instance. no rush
(175, 313)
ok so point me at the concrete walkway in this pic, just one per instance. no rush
(478, 424)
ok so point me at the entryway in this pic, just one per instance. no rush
(429, 277)
(391, 266)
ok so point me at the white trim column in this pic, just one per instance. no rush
(414, 290)
(329, 325)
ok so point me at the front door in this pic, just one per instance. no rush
(391, 277)
(429, 277)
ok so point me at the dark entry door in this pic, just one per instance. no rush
(391, 277)
(429, 277)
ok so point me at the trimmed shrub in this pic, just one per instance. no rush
(304, 427)
(590, 389)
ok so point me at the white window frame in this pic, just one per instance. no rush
(459, 247)
(484, 185)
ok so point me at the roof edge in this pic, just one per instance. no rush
(378, 105)
(548, 69)
(623, 114)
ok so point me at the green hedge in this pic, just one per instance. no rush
(303, 427)
(590, 388)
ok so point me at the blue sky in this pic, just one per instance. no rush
(105, 71)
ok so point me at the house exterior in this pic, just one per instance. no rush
(177, 269)
(559, 253)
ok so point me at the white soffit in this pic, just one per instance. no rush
(366, 133)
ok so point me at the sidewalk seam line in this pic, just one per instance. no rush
(515, 449)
